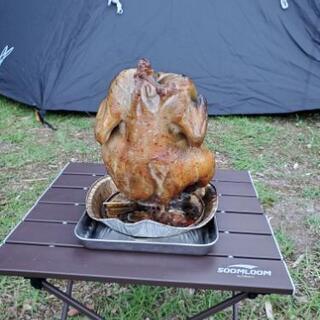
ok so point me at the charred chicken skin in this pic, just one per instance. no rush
(151, 127)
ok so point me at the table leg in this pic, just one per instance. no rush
(65, 307)
(234, 309)
(221, 306)
(69, 300)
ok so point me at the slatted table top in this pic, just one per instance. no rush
(245, 258)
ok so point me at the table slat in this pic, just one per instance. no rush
(240, 204)
(99, 169)
(242, 222)
(226, 203)
(64, 195)
(234, 222)
(224, 188)
(242, 189)
(56, 212)
(75, 180)
(153, 269)
(85, 168)
(232, 175)
(245, 246)
(45, 234)
(240, 245)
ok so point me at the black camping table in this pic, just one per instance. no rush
(246, 260)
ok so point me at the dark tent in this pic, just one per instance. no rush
(246, 57)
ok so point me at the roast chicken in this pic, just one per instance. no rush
(151, 127)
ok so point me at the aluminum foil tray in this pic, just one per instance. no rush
(103, 188)
(96, 235)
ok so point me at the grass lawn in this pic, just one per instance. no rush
(283, 154)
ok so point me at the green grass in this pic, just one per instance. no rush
(282, 154)
(243, 140)
(141, 302)
(267, 196)
(313, 223)
(311, 192)
(286, 243)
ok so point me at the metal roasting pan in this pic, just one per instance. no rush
(96, 235)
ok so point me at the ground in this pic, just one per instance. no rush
(283, 154)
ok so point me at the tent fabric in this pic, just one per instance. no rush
(246, 57)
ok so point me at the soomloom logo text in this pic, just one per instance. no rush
(244, 270)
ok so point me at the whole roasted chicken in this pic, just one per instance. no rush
(151, 127)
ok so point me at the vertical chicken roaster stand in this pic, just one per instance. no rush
(246, 259)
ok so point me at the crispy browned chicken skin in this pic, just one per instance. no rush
(151, 127)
